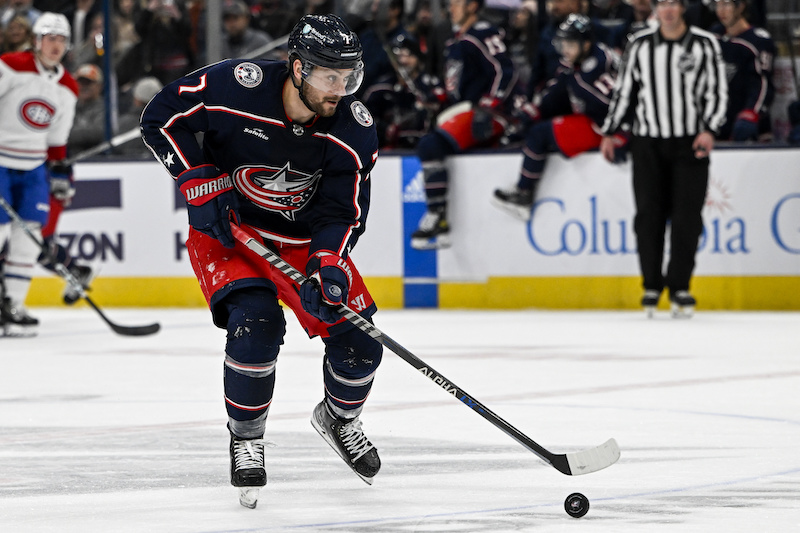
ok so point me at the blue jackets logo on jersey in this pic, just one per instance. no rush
(279, 189)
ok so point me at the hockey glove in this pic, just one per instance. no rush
(326, 288)
(61, 186)
(620, 147)
(746, 126)
(210, 198)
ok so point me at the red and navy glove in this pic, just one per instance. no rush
(327, 285)
(210, 199)
(746, 126)
(61, 182)
(621, 147)
(483, 118)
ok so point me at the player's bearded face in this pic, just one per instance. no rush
(322, 103)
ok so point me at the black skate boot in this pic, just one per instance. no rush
(515, 201)
(650, 302)
(84, 276)
(16, 320)
(247, 469)
(348, 440)
(682, 304)
(433, 231)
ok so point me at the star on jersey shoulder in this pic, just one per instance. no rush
(169, 159)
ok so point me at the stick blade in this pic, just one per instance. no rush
(594, 459)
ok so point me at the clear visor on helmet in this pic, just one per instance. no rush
(565, 45)
(337, 81)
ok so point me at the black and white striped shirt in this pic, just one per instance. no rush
(670, 88)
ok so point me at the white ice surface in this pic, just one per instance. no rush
(102, 433)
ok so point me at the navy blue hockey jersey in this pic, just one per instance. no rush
(297, 183)
(585, 88)
(477, 64)
(748, 64)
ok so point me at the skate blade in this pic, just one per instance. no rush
(649, 311)
(678, 311)
(324, 435)
(248, 497)
(436, 243)
(519, 212)
(13, 330)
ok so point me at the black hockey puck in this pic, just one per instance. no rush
(576, 505)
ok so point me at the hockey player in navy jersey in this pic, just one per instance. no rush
(568, 117)
(37, 107)
(286, 154)
(480, 80)
(748, 53)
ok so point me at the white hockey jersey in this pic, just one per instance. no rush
(36, 111)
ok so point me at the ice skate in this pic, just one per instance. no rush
(682, 304)
(84, 276)
(515, 201)
(16, 321)
(650, 302)
(433, 232)
(348, 440)
(247, 469)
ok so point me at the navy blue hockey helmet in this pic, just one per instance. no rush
(326, 41)
(575, 28)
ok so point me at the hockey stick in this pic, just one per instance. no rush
(115, 141)
(571, 464)
(63, 271)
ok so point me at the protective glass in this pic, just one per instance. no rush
(337, 81)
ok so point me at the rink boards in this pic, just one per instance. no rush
(578, 251)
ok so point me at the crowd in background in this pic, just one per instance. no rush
(157, 41)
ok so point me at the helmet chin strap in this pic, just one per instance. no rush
(300, 93)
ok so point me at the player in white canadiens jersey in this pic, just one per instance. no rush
(287, 153)
(37, 106)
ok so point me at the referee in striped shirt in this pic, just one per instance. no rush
(672, 93)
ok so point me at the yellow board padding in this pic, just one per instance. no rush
(173, 292)
(601, 292)
(617, 292)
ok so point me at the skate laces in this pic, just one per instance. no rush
(354, 440)
(429, 221)
(248, 453)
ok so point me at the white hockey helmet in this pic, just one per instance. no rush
(52, 24)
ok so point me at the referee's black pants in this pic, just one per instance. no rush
(669, 184)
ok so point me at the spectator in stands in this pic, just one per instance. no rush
(19, 7)
(92, 48)
(18, 34)
(88, 129)
(274, 17)
(432, 36)
(382, 26)
(240, 39)
(611, 13)
(143, 91)
(642, 18)
(748, 53)
(165, 30)
(523, 39)
(570, 114)
(80, 16)
(124, 26)
(480, 83)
